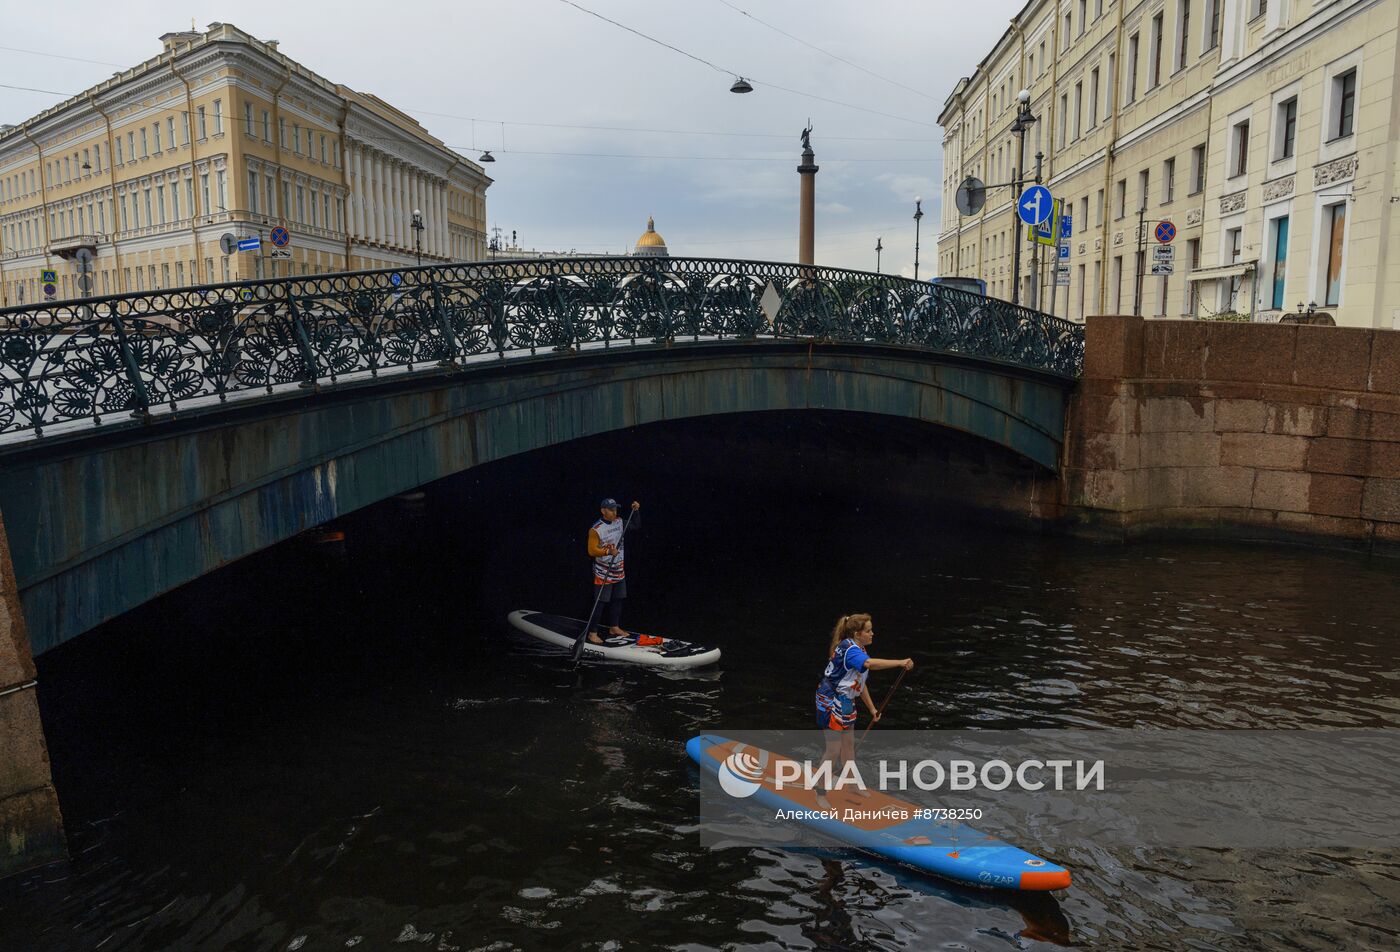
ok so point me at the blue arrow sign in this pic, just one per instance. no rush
(249, 244)
(1035, 205)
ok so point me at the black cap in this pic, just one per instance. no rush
(609, 503)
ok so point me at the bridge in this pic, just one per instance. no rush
(146, 439)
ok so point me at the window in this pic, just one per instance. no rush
(218, 117)
(1233, 241)
(1198, 169)
(1069, 26)
(1287, 128)
(1108, 86)
(150, 219)
(1239, 143)
(97, 157)
(1344, 111)
(1042, 59)
(1183, 27)
(1156, 52)
(203, 124)
(222, 179)
(323, 150)
(1168, 180)
(180, 274)
(87, 161)
(1130, 93)
(1030, 64)
(67, 169)
(1093, 98)
(271, 196)
(282, 132)
(267, 126)
(1078, 109)
(155, 134)
(296, 138)
(204, 193)
(1144, 180)
(175, 200)
(145, 151)
(253, 192)
(165, 275)
(1334, 219)
(1120, 198)
(170, 128)
(1083, 15)
(1064, 119)
(1259, 7)
(1280, 269)
(248, 118)
(1098, 208)
(160, 204)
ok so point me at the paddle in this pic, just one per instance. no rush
(588, 625)
(881, 710)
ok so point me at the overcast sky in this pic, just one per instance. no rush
(546, 63)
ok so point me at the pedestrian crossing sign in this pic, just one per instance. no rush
(1044, 233)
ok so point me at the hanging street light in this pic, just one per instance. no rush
(741, 85)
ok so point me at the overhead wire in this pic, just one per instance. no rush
(839, 59)
(751, 79)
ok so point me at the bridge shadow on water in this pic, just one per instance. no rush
(336, 741)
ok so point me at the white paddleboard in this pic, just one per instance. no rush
(562, 631)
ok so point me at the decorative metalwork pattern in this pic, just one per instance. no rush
(142, 354)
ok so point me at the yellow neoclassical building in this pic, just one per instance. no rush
(1265, 131)
(222, 134)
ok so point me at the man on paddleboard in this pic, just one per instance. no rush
(843, 681)
(605, 547)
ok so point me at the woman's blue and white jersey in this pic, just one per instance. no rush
(845, 673)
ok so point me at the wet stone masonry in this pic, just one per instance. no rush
(1243, 430)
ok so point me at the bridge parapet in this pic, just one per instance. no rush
(73, 363)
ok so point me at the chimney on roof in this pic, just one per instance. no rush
(272, 44)
(174, 41)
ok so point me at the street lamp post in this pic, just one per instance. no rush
(1022, 122)
(918, 217)
(417, 224)
(878, 248)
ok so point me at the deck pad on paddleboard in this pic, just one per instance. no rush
(949, 848)
(562, 631)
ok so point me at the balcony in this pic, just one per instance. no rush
(68, 247)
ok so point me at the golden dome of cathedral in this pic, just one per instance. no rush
(651, 243)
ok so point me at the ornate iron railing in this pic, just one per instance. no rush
(141, 354)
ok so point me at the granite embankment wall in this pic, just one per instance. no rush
(31, 828)
(1256, 431)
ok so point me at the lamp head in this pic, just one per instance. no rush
(1023, 97)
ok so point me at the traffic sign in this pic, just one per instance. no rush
(1166, 231)
(1066, 226)
(396, 279)
(85, 283)
(228, 242)
(50, 289)
(281, 237)
(249, 244)
(49, 277)
(1036, 205)
(1164, 253)
(1163, 267)
(1064, 251)
(1043, 234)
(280, 253)
(245, 293)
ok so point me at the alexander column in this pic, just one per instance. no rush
(806, 236)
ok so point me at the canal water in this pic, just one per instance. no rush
(345, 746)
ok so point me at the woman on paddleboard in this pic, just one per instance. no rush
(843, 681)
